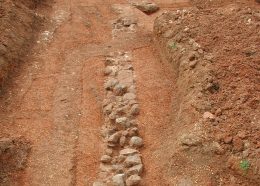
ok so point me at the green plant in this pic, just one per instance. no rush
(173, 45)
(244, 165)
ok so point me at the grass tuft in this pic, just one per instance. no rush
(244, 165)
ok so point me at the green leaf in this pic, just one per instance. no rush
(244, 165)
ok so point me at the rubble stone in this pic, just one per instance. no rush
(114, 138)
(106, 159)
(136, 141)
(137, 169)
(132, 160)
(133, 180)
(147, 7)
(118, 180)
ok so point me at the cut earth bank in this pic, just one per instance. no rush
(214, 50)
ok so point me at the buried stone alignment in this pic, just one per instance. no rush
(121, 162)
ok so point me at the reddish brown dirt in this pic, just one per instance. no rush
(18, 23)
(204, 4)
(13, 157)
(220, 84)
(54, 98)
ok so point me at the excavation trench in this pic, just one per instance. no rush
(106, 94)
(55, 99)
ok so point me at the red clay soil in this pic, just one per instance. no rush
(54, 99)
(13, 157)
(214, 54)
(18, 23)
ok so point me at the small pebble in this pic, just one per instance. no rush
(136, 141)
(133, 180)
(106, 159)
(118, 180)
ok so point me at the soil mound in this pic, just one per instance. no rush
(214, 53)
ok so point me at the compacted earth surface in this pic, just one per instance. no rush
(129, 92)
